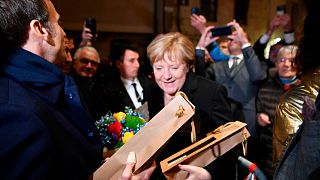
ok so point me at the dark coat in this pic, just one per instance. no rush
(118, 95)
(212, 110)
(268, 97)
(94, 94)
(45, 133)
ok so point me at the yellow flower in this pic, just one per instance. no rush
(127, 136)
(119, 116)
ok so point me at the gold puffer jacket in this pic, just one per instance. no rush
(289, 116)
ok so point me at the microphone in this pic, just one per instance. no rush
(252, 168)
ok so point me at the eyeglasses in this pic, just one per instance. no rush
(283, 60)
(87, 61)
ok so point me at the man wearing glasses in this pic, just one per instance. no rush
(86, 61)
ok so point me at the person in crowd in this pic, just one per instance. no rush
(267, 99)
(217, 50)
(46, 133)
(66, 65)
(289, 115)
(172, 59)
(126, 87)
(279, 20)
(86, 62)
(300, 159)
(241, 75)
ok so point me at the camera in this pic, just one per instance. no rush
(281, 9)
(195, 10)
(221, 31)
(91, 24)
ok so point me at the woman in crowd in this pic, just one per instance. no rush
(172, 58)
(268, 97)
(289, 115)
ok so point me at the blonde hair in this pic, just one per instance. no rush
(288, 49)
(173, 45)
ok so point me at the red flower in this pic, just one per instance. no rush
(115, 128)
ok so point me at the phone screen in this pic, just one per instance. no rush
(221, 31)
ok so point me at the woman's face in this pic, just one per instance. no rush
(170, 74)
(286, 66)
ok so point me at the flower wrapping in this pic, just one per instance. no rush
(118, 128)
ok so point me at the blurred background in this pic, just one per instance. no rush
(141, 20)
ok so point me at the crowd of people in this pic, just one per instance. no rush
(53, 90)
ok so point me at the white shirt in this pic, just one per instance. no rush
(130, 89)
(231, 60)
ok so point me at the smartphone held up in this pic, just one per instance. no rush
(195, 10)
(281, 9)
(91, 23)
(221, 31)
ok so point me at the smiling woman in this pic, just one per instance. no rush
(172, 57)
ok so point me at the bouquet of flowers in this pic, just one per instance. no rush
(116, 129)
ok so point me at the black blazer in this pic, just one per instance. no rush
(212, 110)
(118, 96)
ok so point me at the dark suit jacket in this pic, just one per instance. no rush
(93, 92)
(212, 110)
(45, 133)
(242, 85)
(118, 95)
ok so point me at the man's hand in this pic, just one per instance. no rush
(86, 36)
(274, 24)
(198, 22)
(238, 34)
(285, 22)
(206, 38)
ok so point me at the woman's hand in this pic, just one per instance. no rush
(263, 119)
(127, 172)
(196, 172)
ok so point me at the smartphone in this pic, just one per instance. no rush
(281, 9)
(91, 24)
(195, 10)
(221, 31)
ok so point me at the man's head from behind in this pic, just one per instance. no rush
(86, 61)
(125, 57)
(32, 25)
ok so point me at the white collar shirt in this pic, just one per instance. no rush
(234, 58)
(130, 89)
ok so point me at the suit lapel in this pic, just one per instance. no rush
(236, 69)
(122, 95)
(226, 69)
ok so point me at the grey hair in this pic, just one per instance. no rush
(89, 48)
